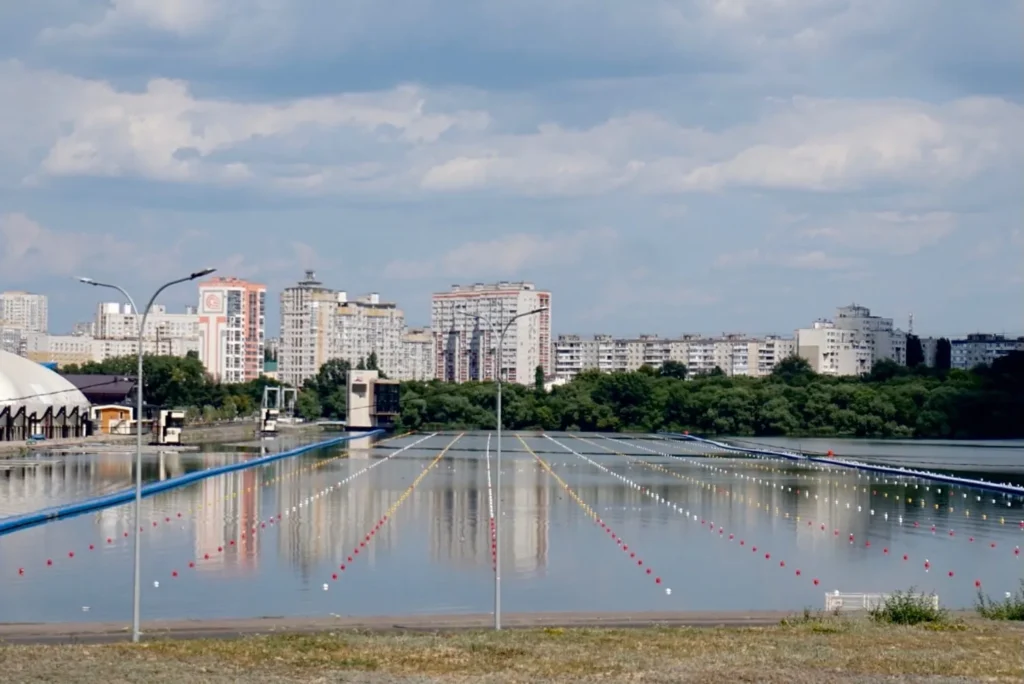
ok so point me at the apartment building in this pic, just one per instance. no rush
(734, 354)
(319, 324)
(232, 328)
(885, 341)
(466, 347)
(831, 350)
(417, 355)
(78, 349)
(115, 321)
(24, 311)
(982, 348)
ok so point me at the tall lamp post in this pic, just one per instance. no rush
(497, 460)
(136, 601)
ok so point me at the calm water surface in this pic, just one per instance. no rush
(433, 553)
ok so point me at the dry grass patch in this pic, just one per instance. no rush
(810, 649)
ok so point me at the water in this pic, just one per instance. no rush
(432, 555)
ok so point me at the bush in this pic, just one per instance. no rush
(908, 608)
(1010, 608)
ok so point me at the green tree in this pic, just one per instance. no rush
(943, 354)
(371, 362)
(538, 378)
(915, 352)
(673, 369)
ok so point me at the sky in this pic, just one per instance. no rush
(662, 166)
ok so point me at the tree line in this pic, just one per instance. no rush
(890, 401)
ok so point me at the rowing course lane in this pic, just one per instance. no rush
(44, 481)
(734, 492)
(271, 572)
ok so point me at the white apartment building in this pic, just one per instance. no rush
(78, 349)
(24, 311)
(734, 354)
(232, 328)
(981, 348)
(319, 324)
(834, 351)
(417, 356)
(307, 327)
(876, 332)
(466, 348)
(115, 321)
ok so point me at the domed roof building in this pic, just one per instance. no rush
(36, 401)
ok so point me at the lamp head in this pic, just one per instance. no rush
(87, 281)
(200, 274)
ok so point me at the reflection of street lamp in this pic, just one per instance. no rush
(497, 460)
(138, 428)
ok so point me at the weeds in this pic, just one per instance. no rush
(1010, 608)
(909, 608)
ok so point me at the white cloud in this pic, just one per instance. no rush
(508, 256)
(805, 261)
(29, 249)
(888, 232)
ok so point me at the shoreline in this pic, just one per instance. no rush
(228, 628)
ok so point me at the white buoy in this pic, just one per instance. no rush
(325, 587)
(156, 584)
(668, 591)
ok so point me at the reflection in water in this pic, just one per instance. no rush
(434, 552)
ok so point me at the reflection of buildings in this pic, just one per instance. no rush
(224, 517)
(459, 517)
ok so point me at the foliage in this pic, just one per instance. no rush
(908, 608)
(1010, 608)
(890, 401)
(182, 382)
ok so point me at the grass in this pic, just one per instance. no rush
(811, 648)
(1010, 608)
(909, 608)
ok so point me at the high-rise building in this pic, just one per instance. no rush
(116, 321)
(232, 327)
(417, 358)
(465, 348)
(24, 311)
(886, 342)
(307, 325)
(319, 324)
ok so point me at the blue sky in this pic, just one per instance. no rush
(663, 166)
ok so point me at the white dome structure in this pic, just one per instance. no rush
(36, 400)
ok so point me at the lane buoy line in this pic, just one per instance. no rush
(389, 514)
(490, 507)
(591, 513)
(927, 565)
(897, 519)
(259, 524)
(690, 518)
(309, 501)
(905, 480)
(834, 500)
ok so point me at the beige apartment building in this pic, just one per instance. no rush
(466, 348)
(734, 354)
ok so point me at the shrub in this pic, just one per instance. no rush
(1010, 608)
(908, 608)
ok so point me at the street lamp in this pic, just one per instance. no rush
(136, 601)
(497, 480)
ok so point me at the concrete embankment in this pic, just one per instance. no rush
(194, 434)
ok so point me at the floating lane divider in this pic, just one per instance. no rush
(859, 465)
(850, 538)
(114, 538)
(689, 517)
(619, 541)
(383, 520)
(788, 455)
(826, 466)
(48, 515)
(250, 533)
(490, 507)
